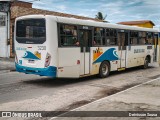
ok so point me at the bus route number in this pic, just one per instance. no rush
(85, 27)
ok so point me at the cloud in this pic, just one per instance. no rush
(61, 7)
(117, 10)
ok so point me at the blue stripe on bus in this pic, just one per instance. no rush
(29, 55)
(49, 71)
(110, 55)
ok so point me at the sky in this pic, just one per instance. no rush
(116, 10)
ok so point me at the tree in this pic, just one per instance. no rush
(100, 16)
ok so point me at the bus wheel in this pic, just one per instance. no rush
(104, 69)
(146, 62)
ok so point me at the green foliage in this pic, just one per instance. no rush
(100, 16)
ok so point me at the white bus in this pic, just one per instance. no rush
(54, 46)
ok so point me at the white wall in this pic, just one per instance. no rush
(3, 38)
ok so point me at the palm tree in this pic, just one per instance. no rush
(100, 16)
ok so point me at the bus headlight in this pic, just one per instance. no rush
(48, 60)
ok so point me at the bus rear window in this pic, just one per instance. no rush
(31, 31)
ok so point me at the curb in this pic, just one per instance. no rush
(106, 97)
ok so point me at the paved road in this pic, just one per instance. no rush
(7, 64)
(29, 92)
(140, 102)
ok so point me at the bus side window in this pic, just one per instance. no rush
(133, 38)
(150, 38)
(68, 35)
(99, 37)
(111, 37)
(142, 38)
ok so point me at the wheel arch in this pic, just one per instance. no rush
(106, 61)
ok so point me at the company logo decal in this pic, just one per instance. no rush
(35, 56)
(110, 54)
(96, 53)
(19, 48)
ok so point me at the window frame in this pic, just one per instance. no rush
(152, 38)
(24, 40)
(135, 31)
(3, 20)
(79, 27)
(111, 37)
(101, 37)
(142, 37)
(59, 35)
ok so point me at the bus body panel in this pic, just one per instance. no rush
(85, 63)
(68, 67)
(100, 54)
(30, 65)
(71, 61)
(52, 37)
(31, 58)
(137, 54)
(122, 59)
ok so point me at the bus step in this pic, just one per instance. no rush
(120, 69)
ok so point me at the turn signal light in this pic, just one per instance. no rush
(48, 60)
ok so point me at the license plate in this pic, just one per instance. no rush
(31, 61)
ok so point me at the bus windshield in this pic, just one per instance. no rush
(31, 31)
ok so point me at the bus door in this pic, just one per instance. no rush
(122, 42)
(155, 47)
(85, 37)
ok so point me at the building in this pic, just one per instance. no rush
(9, 11)
(142, 23)
(4, 28)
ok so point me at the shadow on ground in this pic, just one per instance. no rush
(56, 82)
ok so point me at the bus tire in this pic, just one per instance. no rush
(146, 62)
(104, 69)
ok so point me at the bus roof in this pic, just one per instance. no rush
(88, 23)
